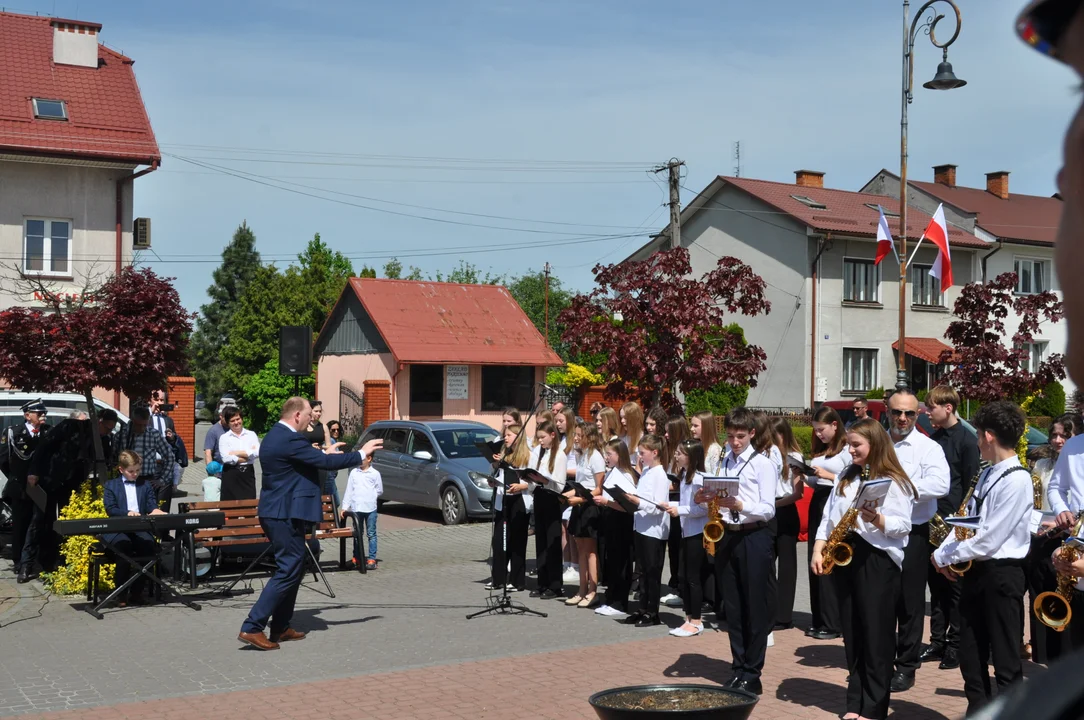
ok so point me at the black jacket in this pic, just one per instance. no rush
(962, 453)
(65, 457)
(17, 448)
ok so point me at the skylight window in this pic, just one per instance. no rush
(873, 206)
(50, 109)
(810, 202)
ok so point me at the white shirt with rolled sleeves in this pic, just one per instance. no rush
(896, 511)
(756, 486)
(1003, 531)
(245, 442)
(363, 487)
(649, 519)
(1066, 490)
(693, 515)
(924, 462)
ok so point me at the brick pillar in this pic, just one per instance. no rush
(377, 402)
(596, 393)
(182, 393)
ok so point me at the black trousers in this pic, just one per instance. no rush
(911, 603)
(823, 603)
(41, 544)
(651, 554)
(868, 588)
(991, 625)
(743, 562)
(22, 511)
(547, 541)
(784, 527)
(944, 610)
(513, 517)
(135, 546)
(694, 572)
(673, 550)
(617, 528)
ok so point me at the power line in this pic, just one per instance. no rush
(439, 181)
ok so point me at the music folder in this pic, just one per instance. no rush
(622, 498)
(873, 493)
(801, 467)
(35, 493)
(581, 491)
(489, 449)
(532, 475)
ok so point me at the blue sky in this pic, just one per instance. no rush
(339, 99)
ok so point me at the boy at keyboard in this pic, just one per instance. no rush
(128, 495)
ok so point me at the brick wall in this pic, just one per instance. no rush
(593, 394)
(182, 393)
(377, 402)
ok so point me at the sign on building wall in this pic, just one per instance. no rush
(456, 385)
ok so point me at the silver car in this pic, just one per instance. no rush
(435, 464)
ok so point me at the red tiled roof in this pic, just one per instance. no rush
(1022, 217)
(928, 349)
(845, 211)
(434, 322)
(106, 116)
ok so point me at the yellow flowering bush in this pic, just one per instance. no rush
(1022, 443)
(573, 376)
(71, 578)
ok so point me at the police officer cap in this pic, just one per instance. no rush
(34, 406)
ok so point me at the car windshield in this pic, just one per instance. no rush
(460, 443)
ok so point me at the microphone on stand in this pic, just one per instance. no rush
(548, 388)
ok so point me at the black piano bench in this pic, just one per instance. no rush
(99, 555)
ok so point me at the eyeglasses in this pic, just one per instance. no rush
(909, 413)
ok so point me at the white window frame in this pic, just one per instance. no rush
(47, 248)
(924, 284)
(874, 378)
(1037, 352)
(876, 283)
(1047, 271)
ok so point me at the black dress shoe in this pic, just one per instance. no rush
(901, 682)
(536, 593)
(783, 626)
(931, 652)
(950, 661)
(635, 618)
(24, 576)
(733, 682)
(551, 595)
(648, 621)
(824, 635)
(751, 685)
(811, 630)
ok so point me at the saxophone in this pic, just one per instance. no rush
(714, 528)
(963, 533)
(836, 550)
(1037, 491)
(939, 529)
(1052, 608)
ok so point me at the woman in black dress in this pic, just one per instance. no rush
(316, 434)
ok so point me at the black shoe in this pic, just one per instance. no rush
(634, 619)
(24, 576)
(932, 652)
(751, 685)
(902, 682)
(536, 593)
(783, 626)
(548, 594)
(733, 682)
(950, 661)
(824, 635)
(648, 621)
(809, 632)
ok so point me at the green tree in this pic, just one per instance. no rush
(724, 397)
(393, 270)
(264, 394)
(272, 299)
(367, 272)
(529, 290)
(323, 274)
(1051, 403)
(240, 262)
(468, 274)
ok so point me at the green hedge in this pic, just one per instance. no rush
(804, 436)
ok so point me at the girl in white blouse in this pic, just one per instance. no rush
(565, 422)
(788, 524)
(651, 525)
(511, 520)
(549, 460)
(703, 429)
(869, 585)
(689, 462)
(616, 526)
(583, 526)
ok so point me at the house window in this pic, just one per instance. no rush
(861, 281)
(50, 109)
(859, 370)
(1032, 276)
(47, 247)
(507, 386)
(925, 289)
(426, 390)
(1036, 355)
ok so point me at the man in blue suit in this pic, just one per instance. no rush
(290, 504)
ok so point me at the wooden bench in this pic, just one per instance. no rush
(243, 528)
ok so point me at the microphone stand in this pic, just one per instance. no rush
(503, 604)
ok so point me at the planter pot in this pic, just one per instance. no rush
(687, 702)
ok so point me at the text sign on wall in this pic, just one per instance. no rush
(457, 384)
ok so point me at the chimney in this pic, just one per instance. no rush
(809, 178)
(997, 183)
(945, 175)
(75, 43)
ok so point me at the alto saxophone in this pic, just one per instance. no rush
(939, 529)
(1052, 608)
(714, 528)
(836, 550)
(963, 533)
(1037, 491)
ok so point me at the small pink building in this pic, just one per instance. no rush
(451, 351)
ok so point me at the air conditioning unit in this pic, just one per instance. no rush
(141, 234)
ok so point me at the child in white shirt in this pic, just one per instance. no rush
(363, 487)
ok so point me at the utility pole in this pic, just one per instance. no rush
(674, 168)
(547, 268)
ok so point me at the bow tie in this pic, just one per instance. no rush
(129, 482)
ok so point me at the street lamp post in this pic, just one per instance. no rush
(943, 80)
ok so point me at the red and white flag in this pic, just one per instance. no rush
(884, 239)
(937, 232)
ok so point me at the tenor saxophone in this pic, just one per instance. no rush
(837, 551)
(963, 533)
(1053, 608)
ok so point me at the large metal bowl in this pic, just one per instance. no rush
(740, 709)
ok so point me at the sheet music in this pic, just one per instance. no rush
(721, 486)
(872, 494)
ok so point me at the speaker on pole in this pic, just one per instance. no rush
(295, 350)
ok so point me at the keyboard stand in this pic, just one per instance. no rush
(146, 571)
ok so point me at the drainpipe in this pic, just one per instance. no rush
(987, 256)
(822, 244)
(394, 393)
(120, 224)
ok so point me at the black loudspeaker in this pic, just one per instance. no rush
(295, 350)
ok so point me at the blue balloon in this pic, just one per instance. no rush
(214, 467)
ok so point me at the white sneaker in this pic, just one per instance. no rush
(682, 632)
(671, 600)
(608, 611)
(771, 639)
(571, 574)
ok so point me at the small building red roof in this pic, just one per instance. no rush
(928, 349)
(1031, 218)
(844, 211)
(106, 117)
(436, 322)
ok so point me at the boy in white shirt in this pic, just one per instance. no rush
(363, 487)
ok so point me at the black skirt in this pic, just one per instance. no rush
(238, 482)
(584, 521)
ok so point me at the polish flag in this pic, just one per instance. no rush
(937, 232)
(884, 239)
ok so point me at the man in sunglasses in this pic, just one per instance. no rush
(925, 463)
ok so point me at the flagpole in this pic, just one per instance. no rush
(915, 251)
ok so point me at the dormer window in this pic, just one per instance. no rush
(810, 202)
(50, 109)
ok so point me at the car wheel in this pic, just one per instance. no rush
(453, 510)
